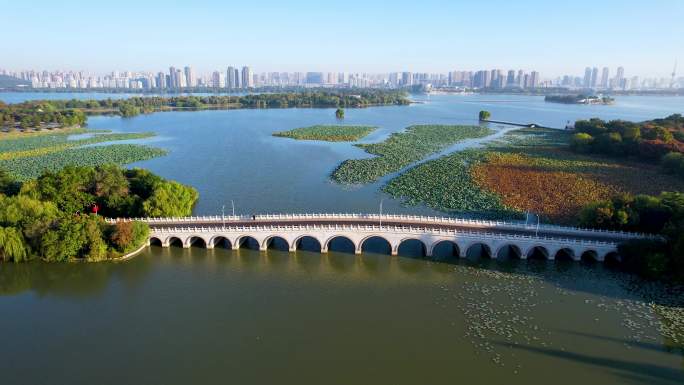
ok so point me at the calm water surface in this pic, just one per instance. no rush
(179, 316)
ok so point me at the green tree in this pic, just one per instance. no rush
(170, 199)
(127, 236)
(339, 113)
(484, 115)
(12, 245)
(581, 142)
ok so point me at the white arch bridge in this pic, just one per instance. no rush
(491, 238)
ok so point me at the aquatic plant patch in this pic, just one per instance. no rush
(334, 133)
(445, 184)
(401, 149)
(48, 144)
(32, 167)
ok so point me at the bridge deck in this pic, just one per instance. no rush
(391, 222)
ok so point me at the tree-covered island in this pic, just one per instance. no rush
(60, 215)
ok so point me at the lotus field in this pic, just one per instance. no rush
(49, 144)
(27, 157)
(401, 149)
(445, 184)
(334, 133)
(530, 170)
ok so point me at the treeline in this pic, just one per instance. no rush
(652, 141)
(137, 105)
(59, 215)
(662, 214)
(38, 115)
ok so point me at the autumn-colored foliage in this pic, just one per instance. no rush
(528, 185)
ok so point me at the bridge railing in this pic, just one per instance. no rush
(373, 228)
(518, 225)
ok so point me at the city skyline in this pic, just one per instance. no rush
(353, 37)
(186, 77)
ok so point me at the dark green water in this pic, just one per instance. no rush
(177, 316)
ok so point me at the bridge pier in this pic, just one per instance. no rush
(324, 249)
(292, 249)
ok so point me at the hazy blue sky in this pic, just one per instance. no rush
(554, 37)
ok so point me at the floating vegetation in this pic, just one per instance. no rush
(445, 184)
(539, 185)
(32, 167)
(38, 139)
(401, 149)
(48, 144)
(329, 133)
(530, 169)
(27, 157)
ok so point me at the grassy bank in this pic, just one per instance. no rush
(331, 133)
(401, 149)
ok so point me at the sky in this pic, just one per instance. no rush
(553, 37)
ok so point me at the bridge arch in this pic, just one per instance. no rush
(589, 255)
(278, 242)
(508, 251)
(445, 248)
(246, 242)
(478, 249)
(328, 245)
(306, 242)
(537, 252)
(220, 241)
(196, 240)
(387, 247)
(156, 241)
(612, 258)
(412, 246)
(565, 254)
(174, 241)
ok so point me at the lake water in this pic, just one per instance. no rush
(179, 316)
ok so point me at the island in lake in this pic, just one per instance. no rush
(579, 99)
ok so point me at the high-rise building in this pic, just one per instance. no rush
(190, 77)
(218, 79)
(534, 79)
(620, 78)
(173, 82)
(247, 79)
(407, 79)
(314, 77)
(510, 79)
(237, 77)
(161, 80)
(604, 77)
(394, 78)
(594, 77)
(230, 78)
(587, 77)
